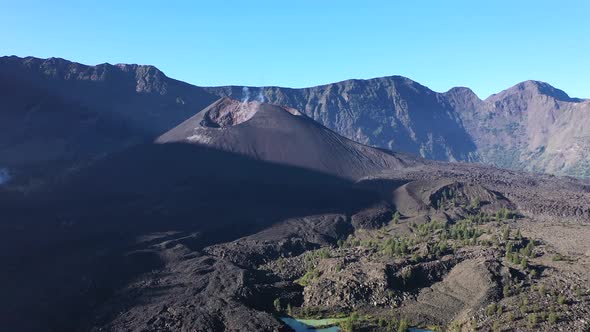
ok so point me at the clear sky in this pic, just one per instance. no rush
(485, 45)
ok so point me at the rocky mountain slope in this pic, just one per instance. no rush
(535, 127)
(391, 112)
(531, 126)
(60, 111)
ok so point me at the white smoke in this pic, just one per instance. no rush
(260, 96)
(4, 176)
(245, 94)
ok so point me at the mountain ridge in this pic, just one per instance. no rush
(390, 112)
(154, 67)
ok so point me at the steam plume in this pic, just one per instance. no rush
(260, 96)
(245, 94)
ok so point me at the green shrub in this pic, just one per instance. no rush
(277, 305)
(403, 326)
(528, 250)
(510, 317)
(506, 233)
(496, 326)
(349, 323)
(406, 274)
(311, 274)
(532, 320)
(533, 274)
(524, 263)
(324, 253)
(491, 309)
(395, 217)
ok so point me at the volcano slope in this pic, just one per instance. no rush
(247, 212)
(284, 135)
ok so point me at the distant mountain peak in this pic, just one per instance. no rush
(461, 91)
(533, 87)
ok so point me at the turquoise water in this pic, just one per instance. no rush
(308, 325)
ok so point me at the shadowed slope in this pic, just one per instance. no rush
(283, 135)
(82, 237)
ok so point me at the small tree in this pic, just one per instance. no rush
(277, 305)
(396, 217)
(475, 203)
(542, 290)
(506, 233)
(324, 253)
(510, 317)
(491, 309)
(406, 275)
(524, 263)
(532, 320)
(391, 325)
(533, 274)
(496, 326)
(403, 325)
(348, 324)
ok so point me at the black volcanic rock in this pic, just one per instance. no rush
(281, 135)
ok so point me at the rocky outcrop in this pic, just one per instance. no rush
(468, 286)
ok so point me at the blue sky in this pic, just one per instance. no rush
(485, 45)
